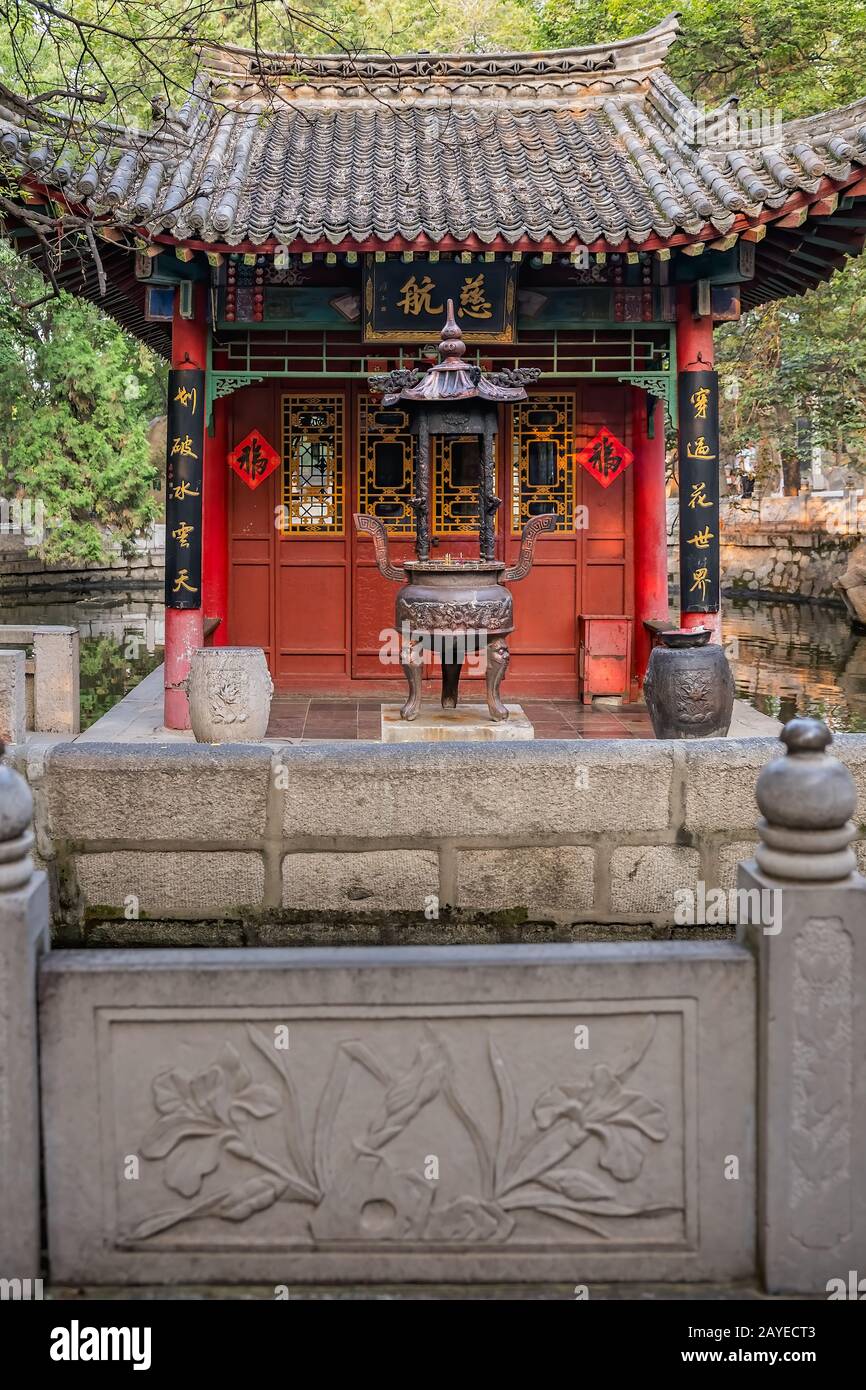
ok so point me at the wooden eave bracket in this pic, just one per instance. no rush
(793, 219)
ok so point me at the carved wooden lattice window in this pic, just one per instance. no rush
(385, 460)
(313, 474)
(543, 470)
(457, 462)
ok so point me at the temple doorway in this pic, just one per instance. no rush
(305, 587)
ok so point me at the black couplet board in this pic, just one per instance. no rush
(699, 491)
(184, 452)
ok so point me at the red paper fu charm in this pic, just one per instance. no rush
(605, 457)
(253, 459)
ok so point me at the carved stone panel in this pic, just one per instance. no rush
(812, 1086)
(821, 1086)
(375, 1121)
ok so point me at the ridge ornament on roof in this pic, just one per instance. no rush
(645, 50)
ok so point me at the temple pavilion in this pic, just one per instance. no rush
(299, 225)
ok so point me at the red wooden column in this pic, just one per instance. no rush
(215, 524)
(184, 628)
(694, 354)
(650, 524)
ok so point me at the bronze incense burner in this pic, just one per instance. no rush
(455, 604)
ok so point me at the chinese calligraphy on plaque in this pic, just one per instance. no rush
(183, 479)
(699, 491)
(405, 301)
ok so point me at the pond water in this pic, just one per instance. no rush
(797, 658)
(787, 658)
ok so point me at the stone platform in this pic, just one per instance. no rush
(466, 724)
(309, 719)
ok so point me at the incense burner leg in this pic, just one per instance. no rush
(450, 681)
(498, 657)
(413, 672)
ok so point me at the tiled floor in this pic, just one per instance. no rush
(294, 716)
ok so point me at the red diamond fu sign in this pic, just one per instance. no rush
(605, 457)
(253, 459)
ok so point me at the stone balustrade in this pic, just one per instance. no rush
(24, 933)
(685, 1111)
(40, 693)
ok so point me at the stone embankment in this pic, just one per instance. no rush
(23, 573)
(797, 546)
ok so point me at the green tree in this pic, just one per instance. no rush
(798, 56)
(76, 395)
(801, 356)
(795, 358)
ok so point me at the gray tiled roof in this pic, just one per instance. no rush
(589, 145)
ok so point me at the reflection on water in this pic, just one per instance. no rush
(122, 638)
(788, 658)
(798, 658)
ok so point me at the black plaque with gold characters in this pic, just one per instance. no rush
(699, 491)
(184, 452)
(406, 301)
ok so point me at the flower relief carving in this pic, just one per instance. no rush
(569, 1156)
(228, 693)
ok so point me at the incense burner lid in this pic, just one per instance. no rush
(452, 379)
(420, 568)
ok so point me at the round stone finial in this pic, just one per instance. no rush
(16, 801)
(807, 799)
(16, 837)
(806, 735)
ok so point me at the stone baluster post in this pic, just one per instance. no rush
(23, 936)
(810, 939)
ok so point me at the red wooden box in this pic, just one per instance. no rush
(605, 656)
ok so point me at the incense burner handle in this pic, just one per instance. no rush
(531, 531)
(375, 529)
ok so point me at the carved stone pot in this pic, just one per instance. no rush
(230, 690)
(689, 687)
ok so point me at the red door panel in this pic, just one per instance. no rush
(541, 477)
(251, 529)
(313, 539)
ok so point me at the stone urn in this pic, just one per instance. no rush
(230, 690)
(689, 687)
